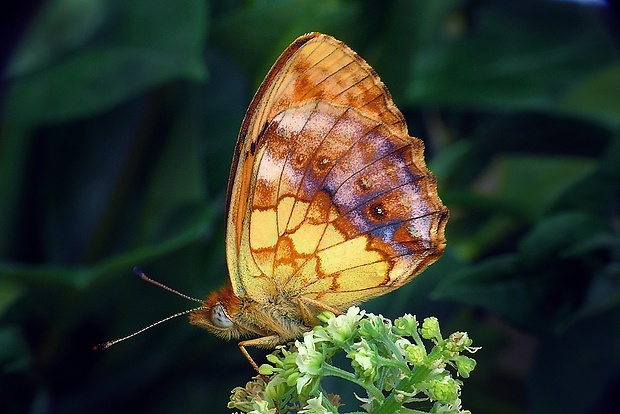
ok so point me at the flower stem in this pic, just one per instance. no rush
(330, 370)
(392, 404)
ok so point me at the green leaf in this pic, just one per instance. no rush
(92, 82)
(61, 26)
(597, 96)
(522, 67)
(409, 26)
(494, 284)
(531, 184)
(557, 236)
(245, 36)
(146, 51)
(79, 277)
(181, 161)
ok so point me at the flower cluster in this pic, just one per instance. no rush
(390, 361)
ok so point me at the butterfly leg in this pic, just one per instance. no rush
(309, 317)
(263, 342)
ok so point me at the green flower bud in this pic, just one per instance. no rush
(374, 327)
(458, 341)
(343, 327)
(405, 325)
(430, 329)
(364, 360)
(292, 378)
(276, 387)
(464, 365)
(265, 369)
(325, 316)
(444, 390)
(274, 360)
(415, 354)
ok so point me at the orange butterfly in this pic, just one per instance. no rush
(330, 202)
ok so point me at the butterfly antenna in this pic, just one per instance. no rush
(108, 344)
(144, 277)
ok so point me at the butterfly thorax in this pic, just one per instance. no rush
(228, 316)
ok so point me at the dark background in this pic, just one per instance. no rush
(118, 124)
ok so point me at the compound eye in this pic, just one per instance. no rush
(219, 317)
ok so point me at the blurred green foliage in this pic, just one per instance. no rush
(118, 124)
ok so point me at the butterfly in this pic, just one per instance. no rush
(330, 202)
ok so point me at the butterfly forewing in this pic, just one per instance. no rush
(329, 199)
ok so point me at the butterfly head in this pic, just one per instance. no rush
(218, 314)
